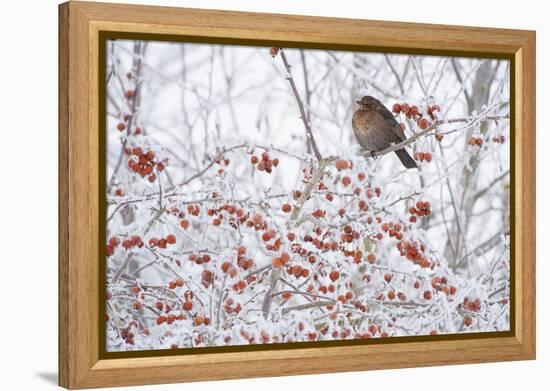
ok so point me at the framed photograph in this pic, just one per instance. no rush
(247, 195)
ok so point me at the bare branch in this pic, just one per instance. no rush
(303, 115)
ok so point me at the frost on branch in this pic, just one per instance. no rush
(241, 210)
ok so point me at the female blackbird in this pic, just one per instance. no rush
(375, 129)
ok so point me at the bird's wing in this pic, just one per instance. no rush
(396, 128)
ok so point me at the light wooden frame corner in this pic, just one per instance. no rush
(80, 25)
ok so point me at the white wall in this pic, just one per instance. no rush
(28, 192)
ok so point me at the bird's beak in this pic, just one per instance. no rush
(358, 102)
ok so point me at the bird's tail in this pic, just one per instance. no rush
(405, 158)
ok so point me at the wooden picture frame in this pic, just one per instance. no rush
(80, 27)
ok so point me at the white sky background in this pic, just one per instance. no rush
(197, 99)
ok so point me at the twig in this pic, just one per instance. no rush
(394, 71)
(315, 304)
(493, 182)
(303, 115)
(210, 164)
(484, 247)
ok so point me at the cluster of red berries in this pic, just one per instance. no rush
(373, 329)
(121, 126)
(200, 320)
(423, 156)
(394, 230)
(500, 139)
(163, 242)
(239, 216)
(343, 164)
(242, 261)
(372, 192)
(134, 241)
(440, 284)
(255, 221)
(472, 305)
(235, 216)
(112, 243)
(318, 242)
(475, 141)
(276, 244)
(229, 269)
(414, 252)
(177, 283)
(207, 278)
(194, 210)
(159, 305)
(392, 295)
(180, 214)
(349, 235)
(422, 209)
(239, 286)
(297, 271)
(230, 307)
(274, 51)
(345, 298)
(222, 161)
(412, 112)
(325, 289)
(169, 318)
(199, 259)
(119, 192)
(356, 255)
(438, 137)
(280, 260)
(265, 163)
(145, 163)
(127, 334)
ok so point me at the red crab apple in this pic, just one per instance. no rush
(334, 275)
(341, 165)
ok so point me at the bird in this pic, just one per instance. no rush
(375, 129)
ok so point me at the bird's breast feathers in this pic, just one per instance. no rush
(361, 121)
